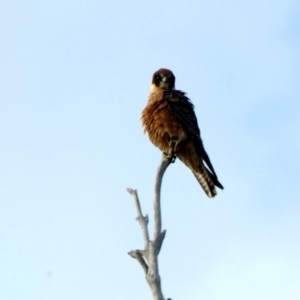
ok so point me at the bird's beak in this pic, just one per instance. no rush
(165, 79)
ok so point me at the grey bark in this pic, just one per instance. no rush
(148, 257)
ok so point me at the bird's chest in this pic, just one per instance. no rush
(167, 123)
(162, 126)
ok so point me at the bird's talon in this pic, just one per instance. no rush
(170, 156)
(171, 159)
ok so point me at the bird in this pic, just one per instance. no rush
(170, 121)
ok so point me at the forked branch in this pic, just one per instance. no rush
(148, 257)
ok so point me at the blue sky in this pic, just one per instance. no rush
(75, 76)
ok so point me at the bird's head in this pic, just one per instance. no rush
(163, 79)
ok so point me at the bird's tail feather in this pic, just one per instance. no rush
(206, 181)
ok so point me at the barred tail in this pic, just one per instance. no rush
(207, 183)
(203, 170)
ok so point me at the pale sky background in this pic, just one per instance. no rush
(75, 76)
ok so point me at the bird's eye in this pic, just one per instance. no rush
(157, 77)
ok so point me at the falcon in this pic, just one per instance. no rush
(171, 124)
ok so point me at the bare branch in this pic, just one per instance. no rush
(143, 220)
(148, 257)
(157, 211)
(138, 256)
(159, 241)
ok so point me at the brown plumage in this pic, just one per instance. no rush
(171, 124)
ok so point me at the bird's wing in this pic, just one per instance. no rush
(181, 106)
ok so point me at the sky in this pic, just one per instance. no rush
(74, 78)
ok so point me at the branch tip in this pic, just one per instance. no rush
(139, 257)
(131, 191)
(158, 242)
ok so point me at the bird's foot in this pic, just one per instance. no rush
(170, 156)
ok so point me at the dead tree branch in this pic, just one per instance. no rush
(148, 258)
